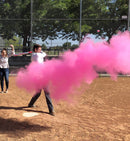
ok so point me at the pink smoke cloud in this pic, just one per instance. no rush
(61, 76)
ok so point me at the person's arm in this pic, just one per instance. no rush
(12, 52)
(12, 46)
(44, 55)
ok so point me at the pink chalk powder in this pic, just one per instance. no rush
(62, 75)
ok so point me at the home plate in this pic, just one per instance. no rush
(30, 114)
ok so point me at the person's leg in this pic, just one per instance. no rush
(2, 79)
(49, 102)
(7, 78)
(34, 98)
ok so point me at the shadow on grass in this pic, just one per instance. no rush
(19, 129)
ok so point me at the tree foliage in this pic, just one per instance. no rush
(54, 18)
(16, 41)
(15, 19)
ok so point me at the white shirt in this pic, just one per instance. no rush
(4, 60)
(38, 57)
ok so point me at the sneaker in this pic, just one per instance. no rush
(6, 91)
(1, 92)
(52, 113)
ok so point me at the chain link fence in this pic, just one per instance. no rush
(25, 26)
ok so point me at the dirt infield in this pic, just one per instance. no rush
(101, 113)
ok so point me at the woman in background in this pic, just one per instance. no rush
(4, 68)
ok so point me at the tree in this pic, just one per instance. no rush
(16, 41)
(15, 19)
(107, 17)
(104, 15)
(16, 16)
(53, 18)
(67, 45)
(44, 46)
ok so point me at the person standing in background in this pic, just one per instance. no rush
(4, 68)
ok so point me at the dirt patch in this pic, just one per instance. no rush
(100, 113)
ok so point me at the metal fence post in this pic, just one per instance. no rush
(129, 15)
(31, 24)
(80, 25)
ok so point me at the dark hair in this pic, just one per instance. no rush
(4, 49)
(36, 46)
